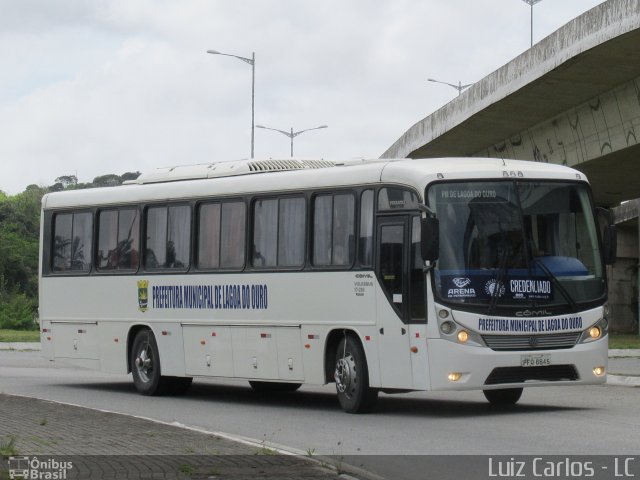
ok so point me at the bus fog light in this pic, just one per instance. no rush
(599, 371)
(595, 332)
(443, 314)
(463, 336)
(447, 327)
(454, 376)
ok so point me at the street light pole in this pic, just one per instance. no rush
(291, 134)
(531, 3)
(458, 87)
(251, 61)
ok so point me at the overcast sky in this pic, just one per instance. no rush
(95, 87)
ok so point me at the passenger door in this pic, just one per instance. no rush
(393, 307)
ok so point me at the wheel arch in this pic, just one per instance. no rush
(331, 348)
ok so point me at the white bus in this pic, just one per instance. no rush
(380, 275)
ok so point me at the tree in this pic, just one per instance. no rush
(129, 176)
(19, 231)
(67, 180)
(110, 180)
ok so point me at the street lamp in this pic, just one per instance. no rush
(251, 61)
(291, 134)
(458, 87)
(531, 3)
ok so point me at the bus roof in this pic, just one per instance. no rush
(224, 179)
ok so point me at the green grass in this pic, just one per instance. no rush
(19, 336)
(624, 340)
(8, 447)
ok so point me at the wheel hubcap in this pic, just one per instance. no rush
(345, 374)
(144, 363)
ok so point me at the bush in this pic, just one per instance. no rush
(17, 312)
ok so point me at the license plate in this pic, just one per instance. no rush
(535, 360)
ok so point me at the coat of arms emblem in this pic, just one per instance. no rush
(143, 295)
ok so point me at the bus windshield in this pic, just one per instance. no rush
(516, 244)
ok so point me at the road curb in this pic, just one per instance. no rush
(623, 381)
(20, 346)
(624, 352)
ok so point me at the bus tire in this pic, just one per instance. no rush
(352, 377)
(145, 365)
(274, 387)
(507, 396)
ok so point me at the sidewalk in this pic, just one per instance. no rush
(107, 445)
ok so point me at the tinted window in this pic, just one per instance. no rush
(333, 230)
(209, 236)
(72, 242)
(265, 233)
(118, 239)
(168, 233)
(391, 255)
(222, 235)
(291, 230)
(279, 232)
(366, 228)
(397, 199)
(417, 272)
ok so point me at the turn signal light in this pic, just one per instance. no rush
(454, 376)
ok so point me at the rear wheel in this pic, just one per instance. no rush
(145, 366)
(274, 387)
(507, 396)
(352, 378)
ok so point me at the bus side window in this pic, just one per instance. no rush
(118, 239)
(168, 232)
(334, 230)
(391, 261)
(279, 227)
(365, 252)
(416, 272)
(72, 239)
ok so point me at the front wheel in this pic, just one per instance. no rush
(352, 378)
(507, 396)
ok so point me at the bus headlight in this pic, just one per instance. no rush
(447, 327)
(452, 331)
(595, 331)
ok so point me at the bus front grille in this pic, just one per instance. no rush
(531, 342)
(551, 373)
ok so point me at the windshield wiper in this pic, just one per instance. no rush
(563, 291)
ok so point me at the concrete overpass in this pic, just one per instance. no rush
(572, 99)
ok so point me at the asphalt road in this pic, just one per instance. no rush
(548, 421)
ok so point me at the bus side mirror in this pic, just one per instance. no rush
(430, 234)
(609, 236)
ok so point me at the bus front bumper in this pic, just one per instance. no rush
(464, 367)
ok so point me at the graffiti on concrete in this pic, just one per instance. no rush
(602, 125)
